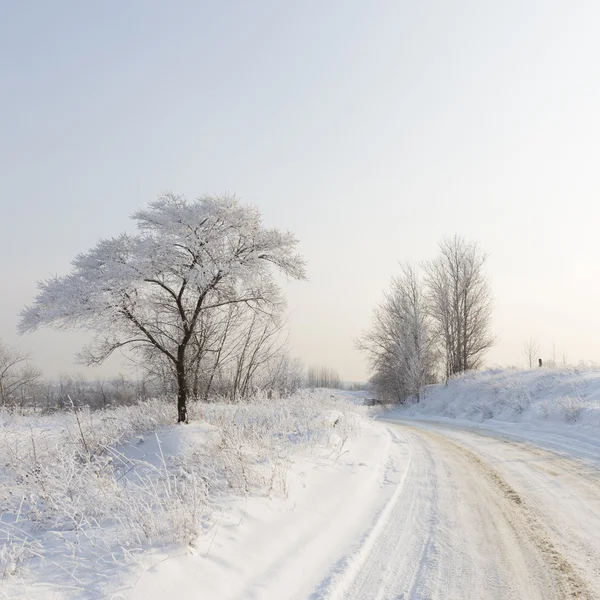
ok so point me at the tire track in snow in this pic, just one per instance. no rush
(336, 585)
(559, 483)
(427, 561)
(400, 551)
(571, 584)
(453, 529)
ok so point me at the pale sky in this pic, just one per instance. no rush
(370, 129)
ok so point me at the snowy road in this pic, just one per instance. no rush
(476, 515)
(413, 510)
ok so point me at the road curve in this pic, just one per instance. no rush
(477, 516)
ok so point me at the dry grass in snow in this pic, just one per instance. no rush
(83, 494)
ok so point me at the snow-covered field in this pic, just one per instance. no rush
(487, 489)
(92, 500)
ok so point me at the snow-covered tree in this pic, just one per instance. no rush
(149, 291)
(460, 302)
(400, 344)
(323, 377)
(532, 351)
(17, 375)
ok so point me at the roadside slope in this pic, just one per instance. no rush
(279, 548)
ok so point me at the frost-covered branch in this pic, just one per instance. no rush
(150, 291)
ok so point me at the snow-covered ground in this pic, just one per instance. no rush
(488, 489)
(92, 502)
(532, 438)
(568, 395)
(555, 408)
(282, 547)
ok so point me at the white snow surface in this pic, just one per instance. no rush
(567, 395)
(283, 547)
(556, 408)
(96, 504)
(424, 505)
(487, 489)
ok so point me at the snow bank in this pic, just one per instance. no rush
(553, 396)
(295, 545)
(85, 495)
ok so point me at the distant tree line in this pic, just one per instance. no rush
(235, 368)
(253, 370)
(432, 321)
(323, 377)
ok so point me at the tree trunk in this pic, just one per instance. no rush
(196, 385)
(182, 415)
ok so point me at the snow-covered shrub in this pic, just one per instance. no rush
(258, 437)
(570, 408)
(563, 408)
(519, 399)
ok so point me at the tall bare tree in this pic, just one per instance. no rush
(17, 375)
(323, 377)
(532, 351)
(460, 302)
(400, 344)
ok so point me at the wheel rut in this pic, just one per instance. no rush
(525, 522)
